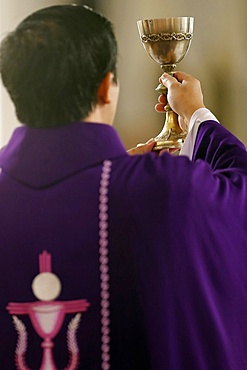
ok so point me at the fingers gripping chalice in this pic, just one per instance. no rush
(167, 41)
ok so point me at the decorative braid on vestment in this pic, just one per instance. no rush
(104, 268)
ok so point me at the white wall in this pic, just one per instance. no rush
(217, 57)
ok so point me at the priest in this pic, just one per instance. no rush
(110, 260)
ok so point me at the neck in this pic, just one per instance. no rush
(99, 115)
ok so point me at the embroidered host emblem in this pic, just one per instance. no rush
(47, 316)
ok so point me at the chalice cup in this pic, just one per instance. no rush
(167, 41)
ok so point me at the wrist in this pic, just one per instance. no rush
(191, 112)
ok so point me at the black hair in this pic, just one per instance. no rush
(54, 62)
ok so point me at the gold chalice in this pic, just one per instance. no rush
(167, 41)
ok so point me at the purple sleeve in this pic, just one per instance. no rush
(221, 149)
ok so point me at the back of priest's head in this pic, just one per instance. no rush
(53, 63)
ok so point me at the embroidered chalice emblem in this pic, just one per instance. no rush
(47, 316)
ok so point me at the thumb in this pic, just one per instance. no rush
(167, 80)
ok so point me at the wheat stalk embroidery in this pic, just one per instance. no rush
(21, 346)
(72, 342)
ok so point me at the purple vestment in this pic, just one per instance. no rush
(176, 238)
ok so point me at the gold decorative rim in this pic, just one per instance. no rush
(178, 36)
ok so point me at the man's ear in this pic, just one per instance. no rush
(104, 89)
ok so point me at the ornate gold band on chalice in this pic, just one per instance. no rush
(167, 37)
(167, 41)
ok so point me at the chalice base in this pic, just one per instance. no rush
(167, 144)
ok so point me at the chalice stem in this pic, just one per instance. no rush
(171, 135)
(47, 360)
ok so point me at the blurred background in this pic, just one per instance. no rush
(217, 57)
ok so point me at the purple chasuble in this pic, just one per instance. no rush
(142, 269)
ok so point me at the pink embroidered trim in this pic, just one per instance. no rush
(104, 269)
(45, 262)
